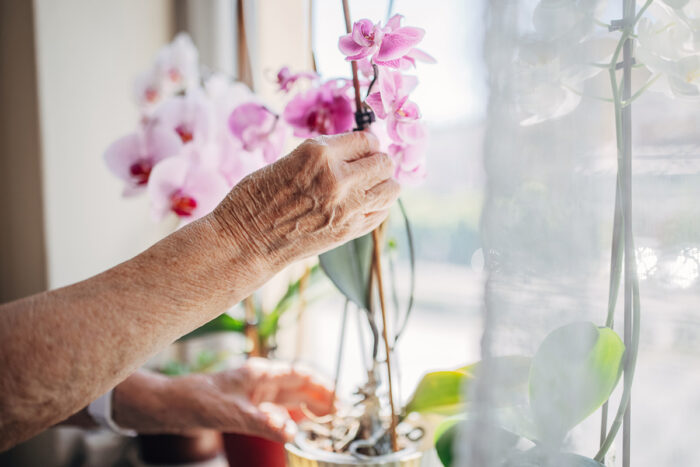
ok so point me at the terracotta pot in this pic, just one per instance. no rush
(252, 451)
(178, 449)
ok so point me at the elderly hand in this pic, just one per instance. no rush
(255, 399)
(325, 193)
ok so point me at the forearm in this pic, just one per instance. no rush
(62, 349)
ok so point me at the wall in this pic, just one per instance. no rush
(22, 264)
(74, 60)
(88, 54)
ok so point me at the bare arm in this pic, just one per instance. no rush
(61, 349)
(255, 399)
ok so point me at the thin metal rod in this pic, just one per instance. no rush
(627, 60)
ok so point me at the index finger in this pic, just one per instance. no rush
(354, 145)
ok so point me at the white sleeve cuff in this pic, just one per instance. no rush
(101, 412)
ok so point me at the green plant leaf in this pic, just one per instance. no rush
(439, 392)
(573, 373)
(222, 323)
(443, 391)
(447, 433)
(509, 377)
(348, 267)
(268, 322)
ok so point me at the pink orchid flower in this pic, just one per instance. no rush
(410, 162)
(286, 79)
(188, 185)
(386, 45)
(177, 64)
(175, 70)
(133, 157)
(257, 128)
(409, 158)
(235, 162)
(148, 91)
(391, 102)
(191, 117)
(323, 110)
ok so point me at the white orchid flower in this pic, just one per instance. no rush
(550, 77)
(668, 45)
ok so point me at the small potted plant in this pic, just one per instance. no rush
(373, 431)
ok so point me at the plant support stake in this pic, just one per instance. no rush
(363, 120)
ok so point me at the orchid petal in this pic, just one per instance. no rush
(362, 31)
(348, 46)
(374, 100)
(394, 22)
(421, 56)
(399, 42)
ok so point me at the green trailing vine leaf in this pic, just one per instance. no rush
(348, 267)
(573, 373)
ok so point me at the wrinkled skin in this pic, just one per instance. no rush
(255, 399)
(320, 196)
(61, 349)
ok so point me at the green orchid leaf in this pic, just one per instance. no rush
(508, 379)
(573, 373)
(222, 323)
(348, 267)
(447, 434)
(516, 419)
(443, 391)
(439, 392)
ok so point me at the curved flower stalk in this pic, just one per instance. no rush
(196, 138)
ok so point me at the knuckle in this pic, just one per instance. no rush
(314, 151)
(370, 139)
(385, 162)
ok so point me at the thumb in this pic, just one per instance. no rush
(277, 424)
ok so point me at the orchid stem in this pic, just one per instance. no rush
(377, 265)
(623, 215)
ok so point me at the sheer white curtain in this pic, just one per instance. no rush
(551, 161)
